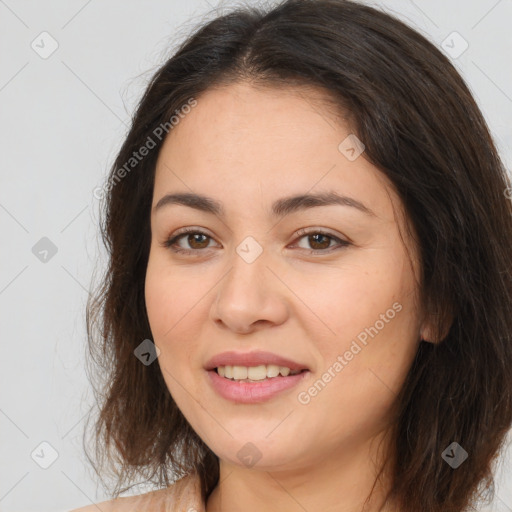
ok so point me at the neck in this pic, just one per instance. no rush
(340, 483)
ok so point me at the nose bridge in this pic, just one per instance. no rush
(250, 250)
(247, 275)
(245, 295)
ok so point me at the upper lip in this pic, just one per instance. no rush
(255, 358)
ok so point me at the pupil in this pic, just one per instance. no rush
(196, 235)
(321, 236)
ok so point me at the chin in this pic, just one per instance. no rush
(255, 452)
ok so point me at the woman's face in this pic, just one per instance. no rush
(338, 300)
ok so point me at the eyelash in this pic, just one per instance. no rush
(170, 243)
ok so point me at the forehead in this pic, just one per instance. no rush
(248, 145)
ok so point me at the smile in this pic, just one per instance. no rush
(251, 390)
(254, 373)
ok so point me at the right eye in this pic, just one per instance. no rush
(194, 237)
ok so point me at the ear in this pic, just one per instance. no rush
(435, 327)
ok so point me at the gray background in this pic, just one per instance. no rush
(63, 118)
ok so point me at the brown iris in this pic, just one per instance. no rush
(192, 237)
(315, 236)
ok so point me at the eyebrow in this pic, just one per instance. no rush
(280, 208)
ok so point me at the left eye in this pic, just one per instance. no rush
(198, 241)
(320, 241)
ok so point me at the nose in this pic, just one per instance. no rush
(250, 297)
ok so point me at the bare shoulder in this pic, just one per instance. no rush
(106, 506)
(129, 503)
(125, 504)
(183, 494)
(115, 505)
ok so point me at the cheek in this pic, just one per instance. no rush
(177, 309)
(353, 391)
(372, 324)
(167, 304)
(171, 297)
(344, 303)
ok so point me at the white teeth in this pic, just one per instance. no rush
(254, 373)
(284, 371)
(240, 372)
(272, 370)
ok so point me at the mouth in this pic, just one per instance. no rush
(253, 377)
(249, 390)
(255, 374)
(255, 365)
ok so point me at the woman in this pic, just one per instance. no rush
(308, 300)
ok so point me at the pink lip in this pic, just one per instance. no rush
(255, 358)
(252, 392)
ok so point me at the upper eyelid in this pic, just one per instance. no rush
(298, 235)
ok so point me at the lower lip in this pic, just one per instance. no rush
(253, 392)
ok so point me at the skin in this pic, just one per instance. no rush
(246, 147)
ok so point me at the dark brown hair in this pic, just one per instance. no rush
(423, 130)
